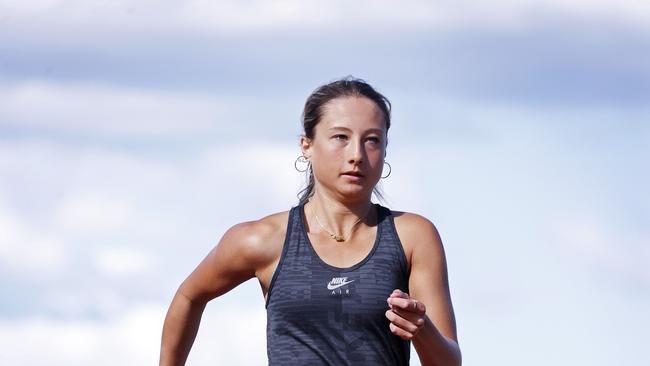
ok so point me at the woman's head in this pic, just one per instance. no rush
(346, 87)
(345, 129)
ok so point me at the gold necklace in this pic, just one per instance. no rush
(339, 238)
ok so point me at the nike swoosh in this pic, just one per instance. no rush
(334, 287)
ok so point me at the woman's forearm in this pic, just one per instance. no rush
(180, 328)
(434, 349)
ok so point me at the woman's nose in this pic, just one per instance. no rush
(356, 153)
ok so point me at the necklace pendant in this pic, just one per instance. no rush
(338, 238)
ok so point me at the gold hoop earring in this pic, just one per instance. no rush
(390, 170)
(301, 159)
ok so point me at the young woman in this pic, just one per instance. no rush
(346, 281)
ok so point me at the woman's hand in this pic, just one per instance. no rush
(406, 315)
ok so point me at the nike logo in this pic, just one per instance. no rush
(337, 282)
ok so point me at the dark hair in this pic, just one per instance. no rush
(314, 109)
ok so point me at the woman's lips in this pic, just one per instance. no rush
(352, 176)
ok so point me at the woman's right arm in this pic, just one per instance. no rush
(235, 259)
(180, 328)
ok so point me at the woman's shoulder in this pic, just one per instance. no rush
(261, 238)
(262, 228)
(412, 220)
(415, 230)
(244, 251)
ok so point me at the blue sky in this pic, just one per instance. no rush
(133, 134)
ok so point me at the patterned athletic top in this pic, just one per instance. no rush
(318, 314)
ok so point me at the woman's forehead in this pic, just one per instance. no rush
(352, 113)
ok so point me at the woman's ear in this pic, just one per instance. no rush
(305, 146)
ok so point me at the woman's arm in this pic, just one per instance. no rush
(180, 328)
(426, 316)
(237, 257)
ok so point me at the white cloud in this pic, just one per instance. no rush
(121, 260)
(107, 112)
(24, 249)
(125, 214)
(112, 111)
(96, 213)
(256, 170)
(86, 295)
(227, 17)
(232, 335)
(130, 339)
(592, 239)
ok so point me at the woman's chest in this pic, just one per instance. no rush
(304, 288)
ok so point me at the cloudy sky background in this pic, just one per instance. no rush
(133, 134)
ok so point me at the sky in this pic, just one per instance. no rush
(133, 134)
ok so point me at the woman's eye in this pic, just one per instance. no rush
(374, 140)
(340, 137)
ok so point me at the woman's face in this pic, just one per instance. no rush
(348, 149)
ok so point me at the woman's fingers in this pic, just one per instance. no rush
(401, 322)
(406, 304)
(398, 293)
(414, 319)
(401, 327)
(406, 315)
(400, 332)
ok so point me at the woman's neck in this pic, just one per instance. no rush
(339, 217)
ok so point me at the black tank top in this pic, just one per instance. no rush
(318, 314)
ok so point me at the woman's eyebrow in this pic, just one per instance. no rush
(376, 130)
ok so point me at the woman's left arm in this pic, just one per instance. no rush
(426, 317)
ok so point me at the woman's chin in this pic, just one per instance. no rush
(355, 192)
